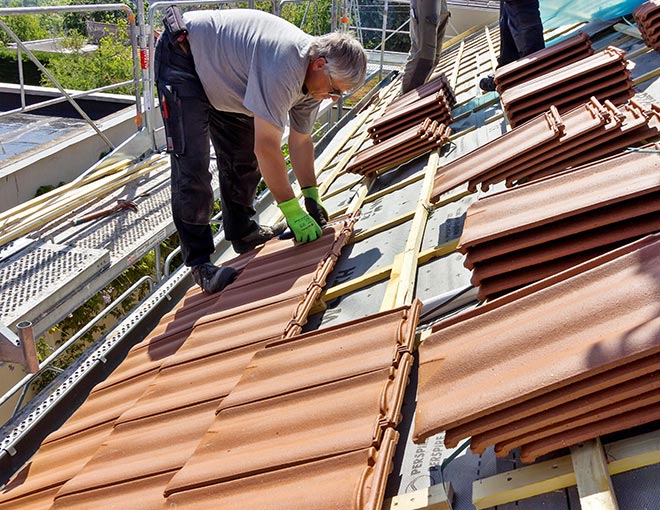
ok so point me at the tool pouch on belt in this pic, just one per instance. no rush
(174, 23)
(170, 108)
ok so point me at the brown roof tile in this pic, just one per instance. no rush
(501, 420)
(595, 428)
(595, 405)
(527, 137)
(296, 428)
(614, 324)
(336, 350)
(353, 481)
(566, 195)
(424, 90)
(543, 61)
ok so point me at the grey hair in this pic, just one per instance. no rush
(344, 55)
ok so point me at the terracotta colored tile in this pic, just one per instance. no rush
(193, 382)
(569, 415)
(525, 138)
(54, 464)
(104, 406)
(431, 87)
(531, 451)
(142, 448)
(543, 61)
(566, 195)
(237, 330)
(353, 481)
(566, 245)
(568, 96)
(608, 58)
(611, 136)
(490, 288)
(629, 138)
(284, 431)
(562, 430)
(35, 501)
(615, 323)
(626, 374)
(134, 494)
(578, 124)
(330, 354)
(645, 10)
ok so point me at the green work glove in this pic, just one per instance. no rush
(314, 205)
(302, 225)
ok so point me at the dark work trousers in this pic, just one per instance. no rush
(428, 22)
(521, 31)
(190, 123)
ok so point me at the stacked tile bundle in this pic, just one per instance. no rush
(565, 360)
(603, 75)
(432, 87)
(409, 144)
(550, 143)
(140, 426)
(432, 100)
(549, 59)
(647, 17)
(522, 235)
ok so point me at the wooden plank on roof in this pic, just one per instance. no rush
(541, 477)
(435, 497)
(593, 480)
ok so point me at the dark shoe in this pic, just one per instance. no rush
(212, 278)
(487, 83)
(258, 237)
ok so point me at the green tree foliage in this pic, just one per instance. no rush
(111, 63)
(27, 28)
(312, 17)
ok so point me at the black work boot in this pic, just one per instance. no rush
(258, 237)
(487, 83)
(213, 278)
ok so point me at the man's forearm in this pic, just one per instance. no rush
(301, 151)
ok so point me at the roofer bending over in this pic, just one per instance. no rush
(233, 77)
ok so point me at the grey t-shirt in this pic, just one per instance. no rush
(254, 63)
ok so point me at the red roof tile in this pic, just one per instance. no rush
(613, 323)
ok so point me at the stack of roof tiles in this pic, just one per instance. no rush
(432, 100)
(525, 234)
(567, 359)
(550, 143)
(139, 427)
(647, 17)
(603, 75)
(549, 59)
(411, 143)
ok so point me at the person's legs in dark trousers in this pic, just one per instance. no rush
(185, 111)
(232, 135)
(523, 31)
(428, 21)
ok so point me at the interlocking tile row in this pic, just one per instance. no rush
(435, 107)
(402, 147)
(647, 17)
(346, 397)
(551, 143)
(432, 87)
(527, 233)
(543, 61)
(588, 337)
(173, 368)
(603, 75)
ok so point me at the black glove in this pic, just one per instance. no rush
(314, 205)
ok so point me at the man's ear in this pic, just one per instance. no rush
(318, 64)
